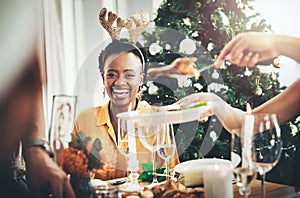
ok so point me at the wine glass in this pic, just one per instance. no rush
(151, 137)
(166, 150)
(266, 143)
(244, 169)
(126, 145)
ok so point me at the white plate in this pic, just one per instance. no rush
(199, 164)
(171, 117)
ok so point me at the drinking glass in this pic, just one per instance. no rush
(166, 150)
(151, 137)
(244, 169)
(266, 143)
(126, 133)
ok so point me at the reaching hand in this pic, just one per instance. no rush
(230, 117)
(247, 49)
(202, 97)
(44, 176)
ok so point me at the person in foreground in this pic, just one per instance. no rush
(43, 175)
(122, 67)
(247, 49)
(21, 108)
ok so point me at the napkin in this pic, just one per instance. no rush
(147, 174)
(192, 176)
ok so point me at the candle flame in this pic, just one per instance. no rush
(248, 108)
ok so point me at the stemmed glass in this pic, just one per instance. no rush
(167, 149)
(151, 137)
(266, 143)
(244, 169)
(126, 134)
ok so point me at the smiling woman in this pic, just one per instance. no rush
(122, 66)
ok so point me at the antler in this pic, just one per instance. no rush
(108, 24)
(141, 21)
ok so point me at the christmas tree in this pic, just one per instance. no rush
(202, 29)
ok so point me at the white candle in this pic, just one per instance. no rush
(218, 181)
(131, 139)
(247, 135)
(131, 136)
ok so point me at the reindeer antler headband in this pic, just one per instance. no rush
(140, 19)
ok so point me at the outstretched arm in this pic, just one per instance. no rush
(247, 49)
(286, 104)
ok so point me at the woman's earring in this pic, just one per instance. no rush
(139, 95)
(103, 94)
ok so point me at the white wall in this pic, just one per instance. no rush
(284, 19)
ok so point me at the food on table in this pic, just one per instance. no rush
(107, 173)
(172, 189)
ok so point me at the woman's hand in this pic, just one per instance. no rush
(217, 103)
(230, 117)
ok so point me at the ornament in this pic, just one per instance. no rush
(215, 75)
(210, 47)
(225, 19)
(183, 82)
(203, 120)
(144, 88)
(276, 63)
(153, 89)
(167, 46)
(213, 136)
(198, 86)
(195, 34)
(273, 76)
(294, 130)
(155, 48)
(247, 72)
(258, 91)
(187, 21)
(187, 46)
(216, 87)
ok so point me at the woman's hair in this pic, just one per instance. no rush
(119, 46)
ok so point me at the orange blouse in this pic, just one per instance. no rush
(95, 122)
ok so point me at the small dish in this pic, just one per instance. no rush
(163, 117)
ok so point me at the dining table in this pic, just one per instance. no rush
(272, 190)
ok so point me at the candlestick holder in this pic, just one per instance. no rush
(127, 146)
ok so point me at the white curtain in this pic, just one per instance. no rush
(60, 50)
